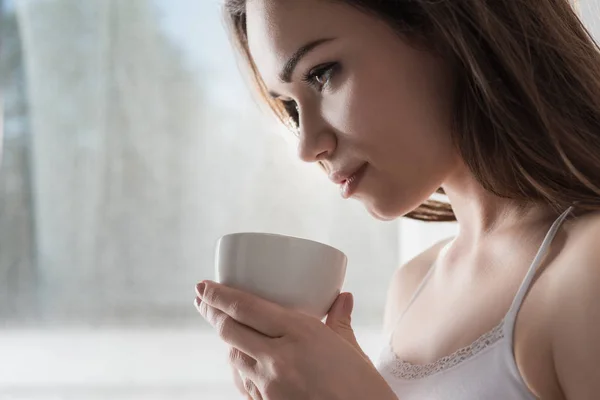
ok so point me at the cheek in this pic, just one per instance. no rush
(403, 130)
(361, 112)
(340, 108)
(412, 116)
(390, 123)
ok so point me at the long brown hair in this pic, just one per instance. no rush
(527, 106)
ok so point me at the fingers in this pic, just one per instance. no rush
(237, 380)
(339, 319)
(264, 316)
(241, 361)
(244, 384)
(251, 389)
(234, 333)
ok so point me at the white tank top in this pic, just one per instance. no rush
(484, 370)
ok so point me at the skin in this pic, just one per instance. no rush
(393, 114)
(388, 104)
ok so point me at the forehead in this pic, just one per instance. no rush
(277, 28)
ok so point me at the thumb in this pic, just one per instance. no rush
(339, 319)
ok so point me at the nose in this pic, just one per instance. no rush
(316, 141)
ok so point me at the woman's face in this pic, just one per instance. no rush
(375, 111)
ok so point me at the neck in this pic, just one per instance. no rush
(481, 214)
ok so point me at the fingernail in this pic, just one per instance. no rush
(200, 289)
(197, 302)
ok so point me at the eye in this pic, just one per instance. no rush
(320, 76)
(292, 110)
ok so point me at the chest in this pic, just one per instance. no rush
(450, 316)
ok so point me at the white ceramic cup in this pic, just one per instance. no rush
(296, 273)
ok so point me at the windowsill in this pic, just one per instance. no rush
(122, 363)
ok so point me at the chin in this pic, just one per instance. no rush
(388, 208)
(380, 217)
(381, 213)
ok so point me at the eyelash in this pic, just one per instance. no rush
(312, 76)
(291, 108)
(312, 79)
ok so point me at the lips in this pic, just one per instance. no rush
(349, 182)
(342, 176)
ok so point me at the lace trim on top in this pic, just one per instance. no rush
(408, 371)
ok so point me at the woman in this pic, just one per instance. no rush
(494, 103)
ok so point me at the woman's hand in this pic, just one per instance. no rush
(239, 383)
(286, 355)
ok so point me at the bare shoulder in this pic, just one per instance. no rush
(405, 281)
(578, 263)
(575, 304)
(579, 259)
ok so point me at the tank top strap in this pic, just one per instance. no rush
(411, 301)
(511, 315)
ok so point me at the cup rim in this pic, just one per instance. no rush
(282, 236)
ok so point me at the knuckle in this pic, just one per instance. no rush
(238, 358)
(203, 308)
(250, 387)
(237, 308)
(276, 366)
(211, 294)
(223, 325)
(276, 363)
(233, 356)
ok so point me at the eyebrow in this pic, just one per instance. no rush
(288, 69)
